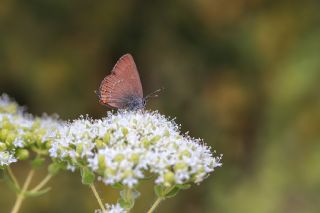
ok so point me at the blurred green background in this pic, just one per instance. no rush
(242, 74)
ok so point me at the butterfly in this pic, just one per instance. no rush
(122, 88)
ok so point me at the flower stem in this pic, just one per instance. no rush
(42, 183)
(20, 195)
(93, 188)
(13, 177)
(128, 197)
(155, 204)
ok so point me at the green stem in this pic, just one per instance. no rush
(13, 177)
(155, 204)
(93, 188)
(20, 195)
(42, 183)
(128, 193)
(129, 197)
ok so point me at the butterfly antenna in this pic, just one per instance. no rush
(154, 94)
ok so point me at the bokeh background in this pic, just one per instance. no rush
(241, 74)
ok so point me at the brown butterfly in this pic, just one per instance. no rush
(122, 89)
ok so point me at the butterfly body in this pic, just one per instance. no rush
(135, 103)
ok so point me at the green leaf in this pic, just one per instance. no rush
(54, 168)
(37, 162)
(87, 176)
(125, 204)
(159, 190)
(118, 186)
(128, 197)
(147, 176)
(123, 194)
(172, 193)
(36, 193)
(183, 186)
(165, 192)
(135, 194)
(11, 184)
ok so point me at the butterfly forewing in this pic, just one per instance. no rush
(123, 83)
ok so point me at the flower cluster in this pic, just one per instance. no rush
(121, 150)
(9, 106)
(114, 208)
(21, 133)
(128, 146)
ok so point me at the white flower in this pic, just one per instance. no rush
(19, 130)
(123, 146)
(6, 158)
(114, 208)
(7, 105)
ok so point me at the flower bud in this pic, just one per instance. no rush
(101, 162)
(169, 178)
(185, 153)
(124, 131)
(10, 138)
(180, 166)
(119, 157)
(22, 154)
(3, 146)
(3, 134)
(135, 158)
(99, 143)
(106, 138)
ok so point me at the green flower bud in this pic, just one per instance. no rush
(48, 145)
(145, 143)
(169, 178)
(119, 157)
(22, 154)
(185, 153)
(40, 134)
(155, 139)
(3, 134)
(9, 108)
(79, 149)
(125, 131)
(106, 138)
(36, 124)
(101, 162)
(27, 136)
(6, 124)
(135, 158)
(99, 143)
(109, 172)
(201, 170)
(3, 146)
(10, 138)
(180, 166)
(54, 168)
(127, 173)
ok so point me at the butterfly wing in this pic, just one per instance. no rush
(123, 82)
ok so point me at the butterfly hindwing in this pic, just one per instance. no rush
(123, 83)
